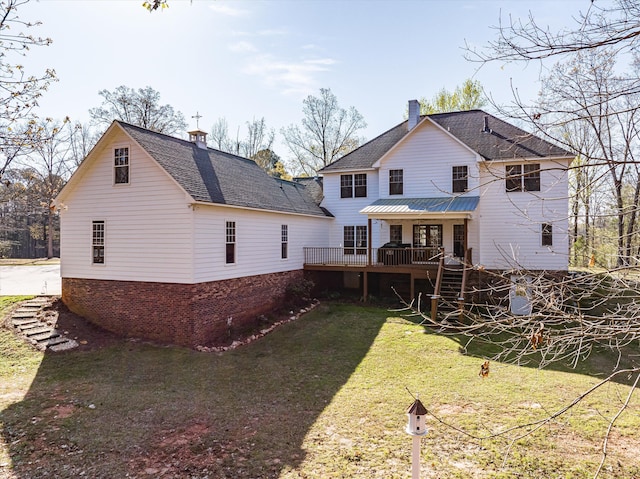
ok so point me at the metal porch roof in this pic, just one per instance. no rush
(416, 206)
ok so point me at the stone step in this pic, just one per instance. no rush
(64, 346)
(53, 341)
(30, 314)
(33, 331)
(34, 304)
(22, 321)
(45, 335)
(27, 310)
(25, 327)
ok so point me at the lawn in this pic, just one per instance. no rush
(322, 397)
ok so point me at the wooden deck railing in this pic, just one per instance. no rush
(377, 257)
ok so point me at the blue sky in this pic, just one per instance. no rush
(248, 59)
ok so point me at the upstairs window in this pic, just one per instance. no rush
(522, 177)
(460, 175)
(360, 185)
(230, 242)
(97, 242)
(396, 182)
(547, 234)
(346, 186)
(353, 186)
(284, 241)
(121, 166)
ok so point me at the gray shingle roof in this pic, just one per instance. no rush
(214, 176)
(503, 141)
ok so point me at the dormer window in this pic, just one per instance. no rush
(121, 166)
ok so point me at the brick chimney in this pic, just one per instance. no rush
(198, 137)
(414, 114)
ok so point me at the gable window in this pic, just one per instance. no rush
(522, 177)
(284, 241)
(230, 242)
(395, 182)
(460, 175)
(121, 166)
(97, 242)
(355, 240)
(353, 186)
(395, 233)
(547, 234)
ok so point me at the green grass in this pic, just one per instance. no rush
(322, 397)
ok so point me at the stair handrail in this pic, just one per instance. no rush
(436, 290)
(465, 267)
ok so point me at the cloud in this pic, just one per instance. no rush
(226, 9)
(243, 47)
(294, 78)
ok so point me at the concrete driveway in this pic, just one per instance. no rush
(18, 280)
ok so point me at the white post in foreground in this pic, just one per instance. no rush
(416, 427)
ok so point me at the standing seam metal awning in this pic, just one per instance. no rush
(449, 206)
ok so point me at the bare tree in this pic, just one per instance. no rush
(139, 107)
(19, 90)
(328, 132)
(220, 135)
(586, 92)
(52, 163)
(259, 137)
(82, 138)
(614, 25)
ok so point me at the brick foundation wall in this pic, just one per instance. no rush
(184, 314)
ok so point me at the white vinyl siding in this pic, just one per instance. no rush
(347, 212)
(149, 230)
(258, 241)
(510, 223)
(427, 158)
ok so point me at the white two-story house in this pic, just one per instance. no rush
(461, 187)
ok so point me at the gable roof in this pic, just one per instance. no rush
(213, 176)
(503, 141)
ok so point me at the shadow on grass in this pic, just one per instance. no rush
(140, 410)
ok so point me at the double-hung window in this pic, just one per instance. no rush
(284, 241)
(360, 185)
(97, 242)
(121, 166)
(522, 177)
(353, 186)
(396, 186)
(459, 175)
(230, 242)
(346, 186)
